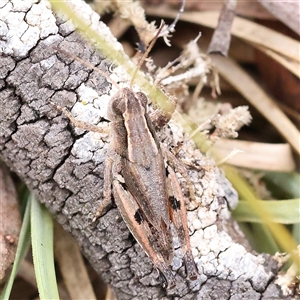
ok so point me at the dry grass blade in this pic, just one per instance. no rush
(72, 266)
(291, 65)
(118, 26)
(257, 35)
(238, 78)
(254, 33)
(110, 294)
(263, 36)
(257, 155)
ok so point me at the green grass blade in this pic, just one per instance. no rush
(259, 237)
(296, 233)
(42, 250)
(280, 233)
(264, 240)
(282, 211)
(22, 249)
(283, 185)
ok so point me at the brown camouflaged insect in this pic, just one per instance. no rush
(146, 192)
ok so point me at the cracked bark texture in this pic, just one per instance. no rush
(64, 165)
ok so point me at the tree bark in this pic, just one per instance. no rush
(64, 165)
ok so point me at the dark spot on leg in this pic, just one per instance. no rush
(175, 204)
(167, 172)
(123, 185)
(138, 216)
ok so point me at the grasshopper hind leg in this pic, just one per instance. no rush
(142, 232)
(167, 278)
(179, 219)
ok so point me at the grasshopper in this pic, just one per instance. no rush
(146, 192)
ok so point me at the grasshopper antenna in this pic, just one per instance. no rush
(89, 65)
(147, 52)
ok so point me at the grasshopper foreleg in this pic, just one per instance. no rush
(112, 162)
(78, 123)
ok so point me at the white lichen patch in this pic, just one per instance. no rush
(46, 64)
(176, 263)
(196, 239)
(27, 24)
(196, 224)
(235, 262)
(206, 216)
(92, 20)
(67, 27)
(23, 5)
(87, 94)
(41, 16)
(217, 255)
(6, 8)
(121, 76)
(86, 113)
(210, 232)
(87, 147)
(91, 108)
(102, 104)
(3, 28)
(3, 3)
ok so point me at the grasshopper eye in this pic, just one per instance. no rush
(142, 98)
(118, 106)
